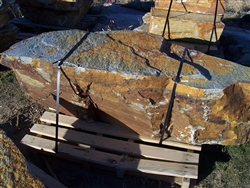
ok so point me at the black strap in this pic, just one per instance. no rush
(167, 21)
(214, 28)
(171, 101)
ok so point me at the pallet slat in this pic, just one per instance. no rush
(108, 129)
(126, 147)
(116, 161)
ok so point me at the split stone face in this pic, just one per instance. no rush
(196, 6)
(126, 78)
(189, 20)
(192, 27)
(59, 13)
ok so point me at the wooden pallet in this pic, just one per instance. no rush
(114, 146)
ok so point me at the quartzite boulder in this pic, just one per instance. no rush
(59, 13)
(126, 78)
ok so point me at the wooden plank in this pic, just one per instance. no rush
(185, 183)
(130, 148)
(116, 161)
(108, 129)
(47, 180)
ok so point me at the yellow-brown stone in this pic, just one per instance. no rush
(13, 169)
(192, 27)
(197, 6)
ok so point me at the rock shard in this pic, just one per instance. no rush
(126, 78)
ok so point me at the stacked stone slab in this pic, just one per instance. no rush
(8, 32)
(189, 20)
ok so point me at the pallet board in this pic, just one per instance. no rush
(125, 147)
(113, 146)
(108, 129)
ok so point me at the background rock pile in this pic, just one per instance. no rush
(8, 32)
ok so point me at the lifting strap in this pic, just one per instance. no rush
(214, 28)
(171, 101)
(59, 64)
(57, 102)
(167, 21)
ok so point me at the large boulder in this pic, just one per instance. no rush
(59, 13)
(126, 78)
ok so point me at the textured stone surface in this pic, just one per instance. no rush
(197, 6)
(8, 35)
(126, 78)
(5, 12)
(185, 26)
(13, 169)
(60, 13)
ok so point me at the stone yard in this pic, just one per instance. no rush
(15, 124)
